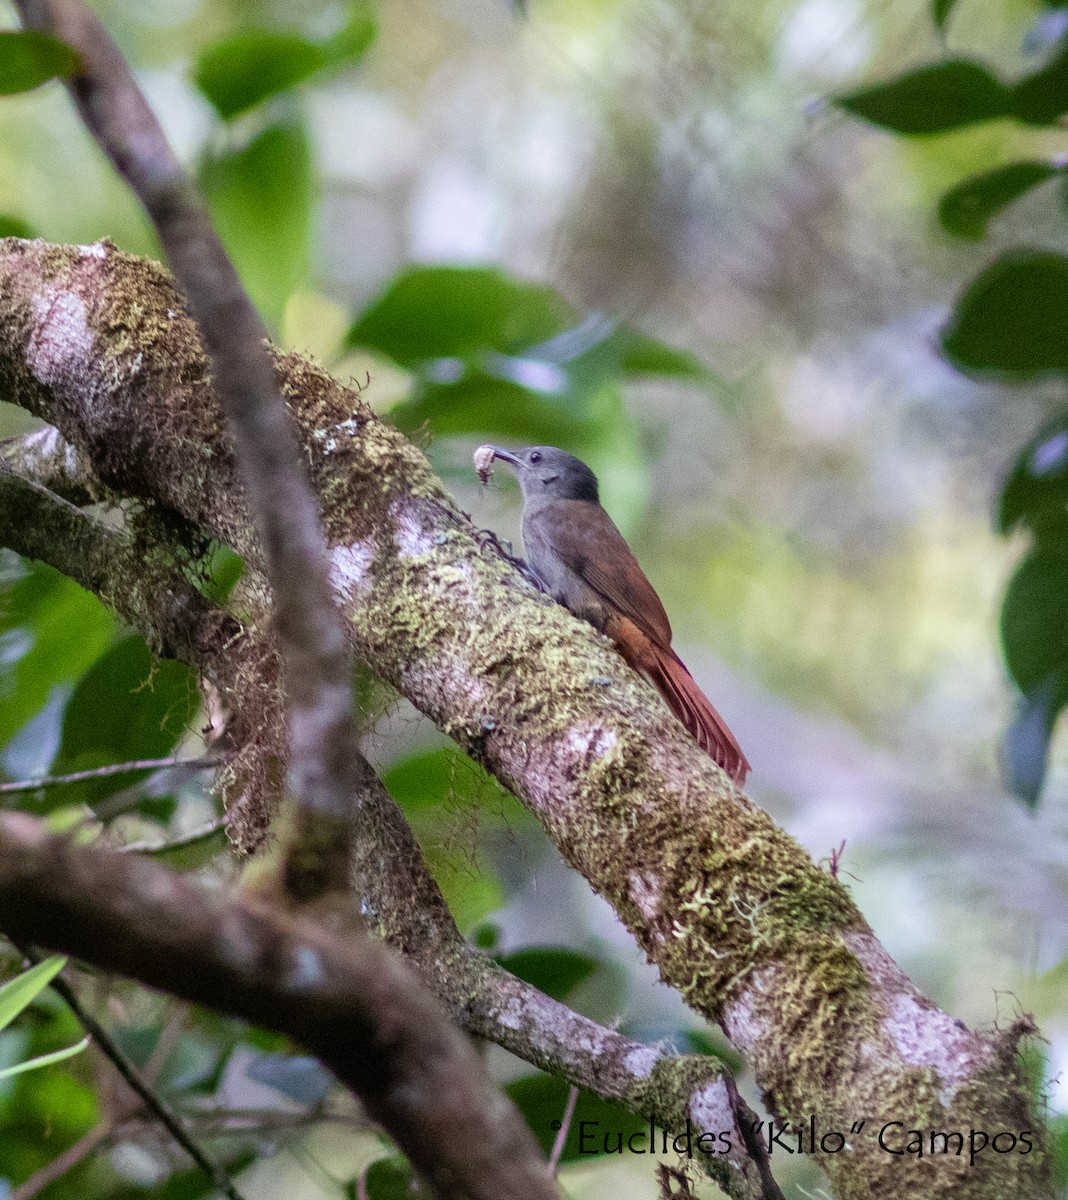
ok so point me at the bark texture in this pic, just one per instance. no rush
(732, 911)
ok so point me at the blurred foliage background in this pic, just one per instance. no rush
(643, 230)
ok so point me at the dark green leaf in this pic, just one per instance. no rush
(486, 936)
(1013, 319)
(597, 1127)
(261, 199)
(643, 355)
(495, 409)
(554, 970)
(44, 1112)
(125, 707)
(1034, 620)
(1028, 738)
(968, 208)
(240, 72)
(441, 312)
(386, 1179)
(18, 993)
(932, 99)
(15, 227)
(422, 781)
(28, 59)
(50, 632)
(1042, 97)
(352, 42)
(1036, 491)
(940, 10)
(225, 568)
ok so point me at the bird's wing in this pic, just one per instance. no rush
(585, 538)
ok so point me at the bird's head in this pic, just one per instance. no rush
(544, 472)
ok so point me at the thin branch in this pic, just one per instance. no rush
(124, 768)
(62, 1163)
(350, 1001)
(170, 845)
(564, 1130)
(130, 1074)
(323, 763)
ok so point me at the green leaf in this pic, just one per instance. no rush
(1036, 491)
(431, 788)
(355, 38)
(224, 569)
(45, 1060)
(1034, 620)
(640, 354)
(931, 99)
(386, 1179)
(261, 199)
(15, 227)
(967, 209)
(240, 72)
(19, 993)
(495, 409)
(1013, 319)
(50, 633)
(554, 970)
(422, 782)
(442, 312)
(940, 10)
(126, 707)
(28, 59)
(1041, 98)
(542, 1101)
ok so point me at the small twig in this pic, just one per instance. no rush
(565, 1128)
(124, 768)
(179, 843)
(62, 1163)
(128, 1070)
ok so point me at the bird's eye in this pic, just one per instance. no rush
(535, 456)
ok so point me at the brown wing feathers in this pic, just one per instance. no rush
(639, 625)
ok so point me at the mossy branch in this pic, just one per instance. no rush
(733, 912)
(392, 882)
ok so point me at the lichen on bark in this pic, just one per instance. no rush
(731, 910)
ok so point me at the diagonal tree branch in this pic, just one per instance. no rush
(731, 910)
(322, 758)
(349, 1000)
(402, 902)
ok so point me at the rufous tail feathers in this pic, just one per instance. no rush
(692, 707)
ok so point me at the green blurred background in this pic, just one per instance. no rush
(734, 290)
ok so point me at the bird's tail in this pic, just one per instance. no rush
(692, 707)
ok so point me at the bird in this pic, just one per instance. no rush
(582, 560)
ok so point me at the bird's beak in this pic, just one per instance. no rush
(505, 456)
